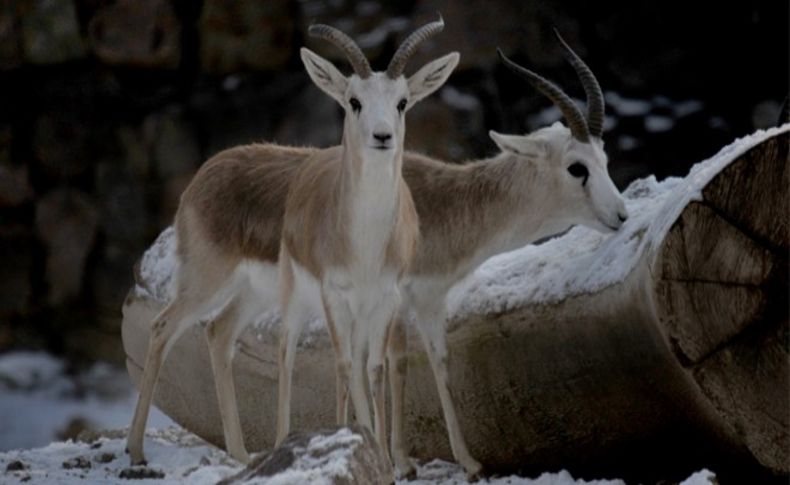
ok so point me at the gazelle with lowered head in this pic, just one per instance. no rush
(349, 235)
(350, 229)
(540, 184)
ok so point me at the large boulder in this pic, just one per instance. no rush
(591, 352)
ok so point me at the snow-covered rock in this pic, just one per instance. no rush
(335, 456)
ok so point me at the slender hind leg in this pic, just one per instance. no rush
(295, 312)
(221, 335)
(199, 288)
(431, 325)
(165, 330)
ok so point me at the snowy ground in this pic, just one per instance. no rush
(176, 456)
(39, 398)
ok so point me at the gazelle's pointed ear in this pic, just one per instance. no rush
(506, 143)
(521, 145)
(431, 77)
(325, 75)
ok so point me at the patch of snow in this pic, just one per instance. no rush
(182, 460)
(325, 460)
(29, 370)
(267, 326)
(458, 100)
(584, 260)
(609, 123)
(658, 124)
(627, 106)
(702, 477)
(39, 399)
(661, 101)
(626, 143)
(685, 108)
(157, 268)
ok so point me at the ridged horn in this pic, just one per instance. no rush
(409, 46)
(595, 102)
(350, 48)
(571, 112)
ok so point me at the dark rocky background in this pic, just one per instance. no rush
(107, 108)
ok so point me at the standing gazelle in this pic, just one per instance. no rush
(350, 228)
(349, 236)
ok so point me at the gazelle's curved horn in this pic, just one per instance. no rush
(350, 48)
(595, 102)
(569, 110)
(409, 46)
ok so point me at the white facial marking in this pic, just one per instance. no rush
(578, 171)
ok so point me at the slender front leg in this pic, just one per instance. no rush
(221, 335)
(431, 325)
(380, 321)
(398, 368)
(341, 343)
(359, 395)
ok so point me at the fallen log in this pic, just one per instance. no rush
(646, 354)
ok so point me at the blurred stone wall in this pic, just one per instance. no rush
(107, 108)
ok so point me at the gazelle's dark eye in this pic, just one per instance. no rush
(578, 169)
(355, 104)
(402, 105)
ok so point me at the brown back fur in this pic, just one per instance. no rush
(459, 206)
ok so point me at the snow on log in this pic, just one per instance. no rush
(589, 352)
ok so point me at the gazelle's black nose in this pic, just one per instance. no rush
(622, 217)
(382, 137)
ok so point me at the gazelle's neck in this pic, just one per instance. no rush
(469, 213)
(371, 181)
